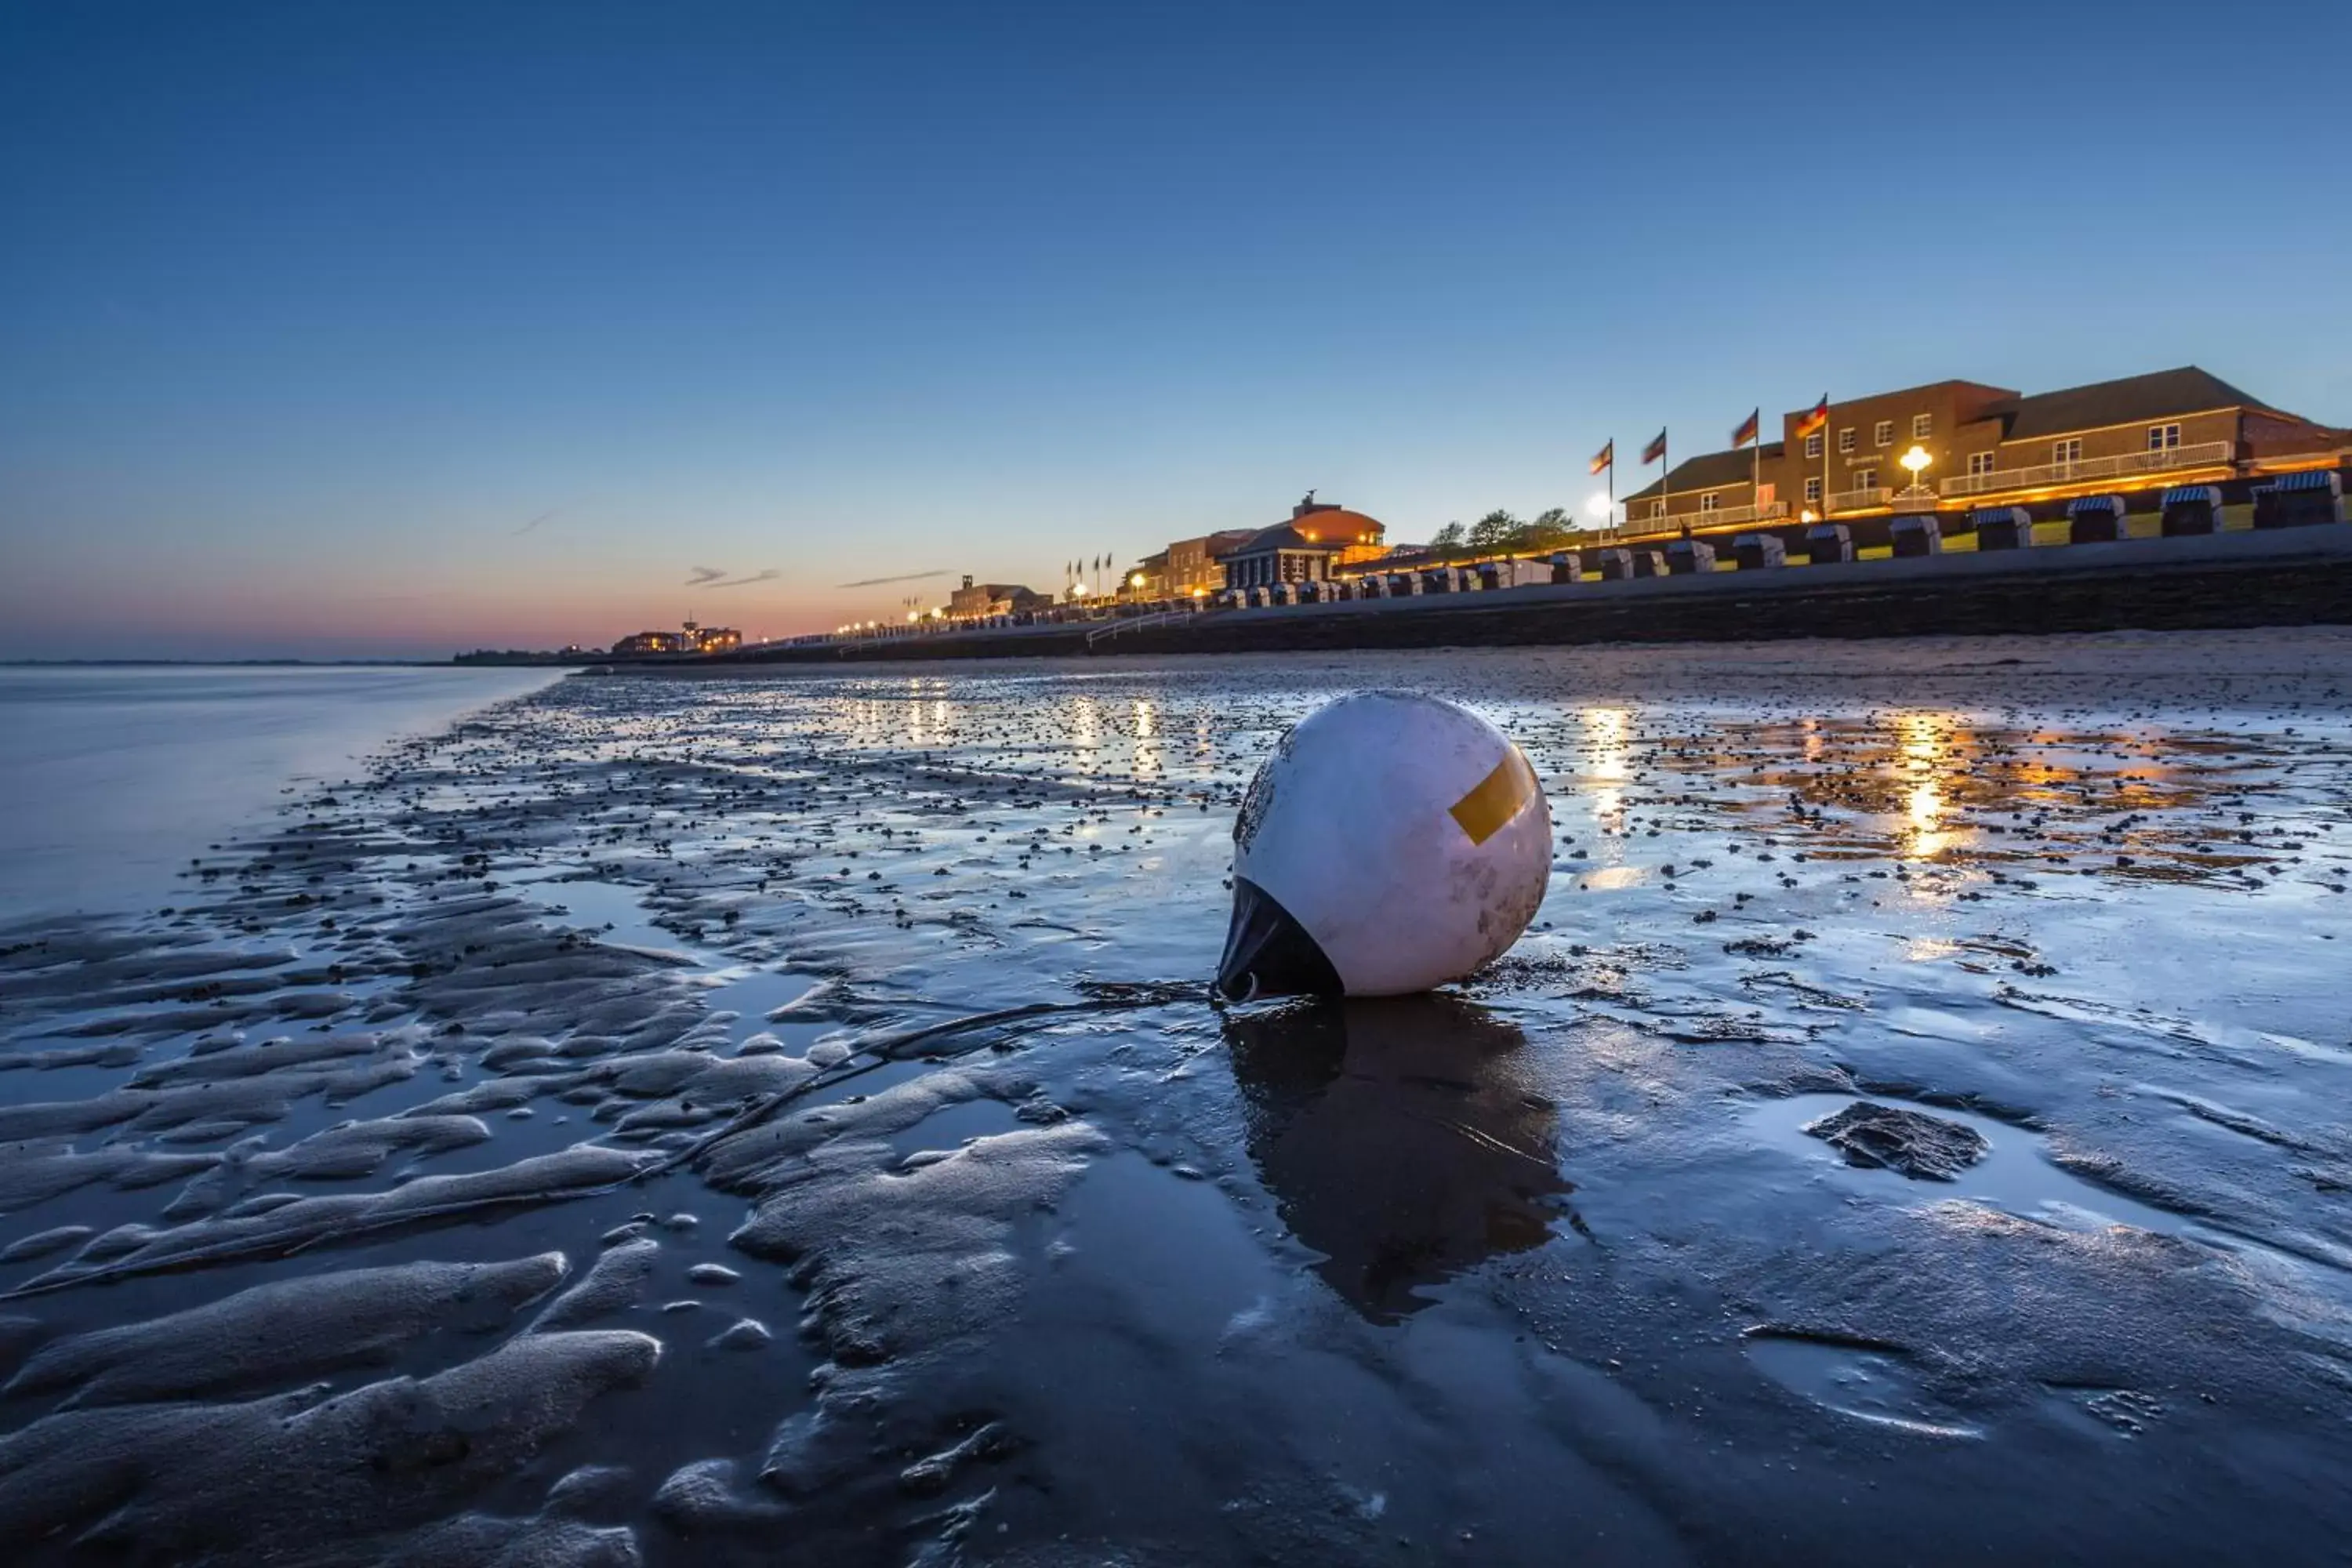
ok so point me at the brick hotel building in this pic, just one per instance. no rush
(1987, 445)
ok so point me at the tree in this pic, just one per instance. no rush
(1448, 539)
(1492, 532)
(1550, 530)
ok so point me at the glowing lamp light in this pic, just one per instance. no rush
(1809, 515)
(1598, 507)
(1915, 459)
(1136, 581)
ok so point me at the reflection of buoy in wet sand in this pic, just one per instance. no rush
(1392, 842)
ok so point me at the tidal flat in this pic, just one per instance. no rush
(740, 1118)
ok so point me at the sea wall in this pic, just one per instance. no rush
(2298, 577)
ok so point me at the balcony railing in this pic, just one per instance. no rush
(1719, 517)
(2203, 455)
(1858, 500)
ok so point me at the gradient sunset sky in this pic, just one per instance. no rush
(334, 328)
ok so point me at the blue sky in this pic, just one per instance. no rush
(307, 313)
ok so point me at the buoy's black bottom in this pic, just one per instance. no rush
(1268, 954)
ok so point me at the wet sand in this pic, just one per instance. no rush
(724, 1120)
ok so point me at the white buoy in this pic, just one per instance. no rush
(1392, 842)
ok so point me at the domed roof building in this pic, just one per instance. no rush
(1320, 536)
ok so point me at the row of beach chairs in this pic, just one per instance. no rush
(1486, 577)
(2292, 500)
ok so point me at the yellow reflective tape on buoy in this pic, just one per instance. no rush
(1498, 797)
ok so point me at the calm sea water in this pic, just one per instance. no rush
(111, 778)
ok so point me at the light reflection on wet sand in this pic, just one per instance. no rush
(1297, 1257)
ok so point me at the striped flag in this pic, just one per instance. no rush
(1655, 450)
(1816, 418)
(1606, 457)
(1747, 428)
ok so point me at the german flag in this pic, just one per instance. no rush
(1747, 430)
(1655, 450)
(1605, 458)
(1816, 418)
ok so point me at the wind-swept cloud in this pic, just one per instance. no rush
(534, 522)
(703, 576)
(720, 579)
(902, 577)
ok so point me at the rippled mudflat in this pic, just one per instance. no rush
(761, 1120)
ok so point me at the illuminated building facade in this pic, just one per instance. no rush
(1193, 566)
(1320, 538)
(693, 638)
(976, 601)
(1952, 446)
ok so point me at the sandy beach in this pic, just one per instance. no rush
(781, 1114)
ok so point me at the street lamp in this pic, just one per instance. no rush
(1600, 508)
(1917, 460)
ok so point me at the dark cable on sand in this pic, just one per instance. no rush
(1109, 997)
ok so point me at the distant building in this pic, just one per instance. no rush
(643, 643)
(1193, 565)
(1318, 538)
(976, 600)
(692, 639)
(1148, 578)
(1985, 446)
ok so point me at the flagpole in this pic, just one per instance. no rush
(1609, 523)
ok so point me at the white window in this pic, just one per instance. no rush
(2070, 450)
(1922, 427)
(1979, 464)
(1845, 440)
(1865, 478)
(1657, 509)
(1813, 489)
(2163, 438)
(1813, 445)
(1709, 502)
(1882, 434)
